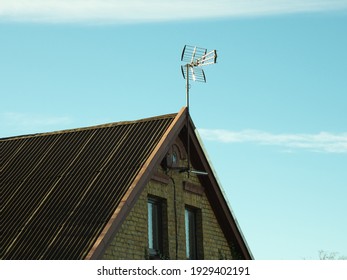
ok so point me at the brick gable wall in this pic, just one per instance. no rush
(131, 240)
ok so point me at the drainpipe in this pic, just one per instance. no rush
(175, 217)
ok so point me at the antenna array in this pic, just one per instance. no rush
(196, 58)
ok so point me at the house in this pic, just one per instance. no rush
(125, 190)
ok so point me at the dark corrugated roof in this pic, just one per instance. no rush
(59, 190)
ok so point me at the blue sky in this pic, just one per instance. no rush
(272, 114)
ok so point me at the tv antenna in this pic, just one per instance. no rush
(196, 58)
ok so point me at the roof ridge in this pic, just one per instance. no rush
(98, 126)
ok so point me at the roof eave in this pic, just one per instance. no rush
(137, 186)
(224, 201)
(144, 176)
(219, 195)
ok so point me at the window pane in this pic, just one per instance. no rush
(190, 226)
(150, 225)
(187, 233)
(154, 226)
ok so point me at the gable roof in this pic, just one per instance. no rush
(65, 193)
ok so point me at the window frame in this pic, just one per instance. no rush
(155, 226)
(192, 224)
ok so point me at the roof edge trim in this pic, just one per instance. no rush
(97, 126)
(213, 171)
(136, 187)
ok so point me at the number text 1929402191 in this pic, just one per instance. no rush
(205, 270)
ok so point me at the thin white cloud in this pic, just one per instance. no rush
(33, 120)
(131, 11)
(12, 123)
(320, 142)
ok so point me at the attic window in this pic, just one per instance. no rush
(193, 230)
(154, 226)
(190, 225)
(173, 157)
(157, 227)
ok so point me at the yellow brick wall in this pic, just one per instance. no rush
(131, 240)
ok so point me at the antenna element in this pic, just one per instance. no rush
(196, 58)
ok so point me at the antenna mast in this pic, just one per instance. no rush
(196, 58)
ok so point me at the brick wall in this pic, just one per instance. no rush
(131, 240)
